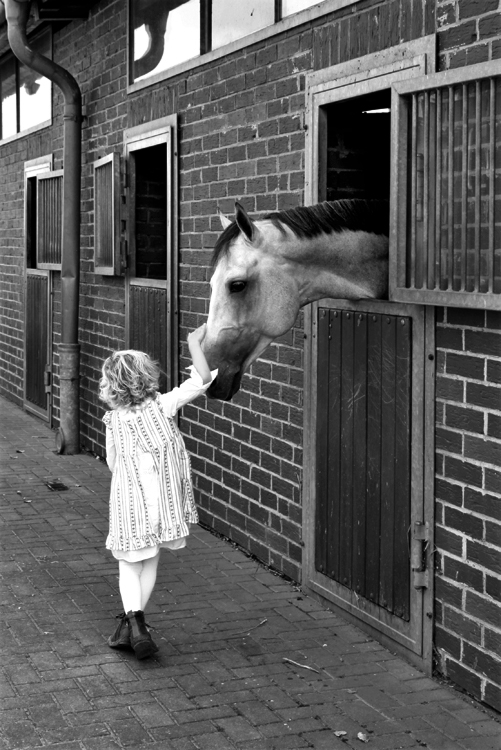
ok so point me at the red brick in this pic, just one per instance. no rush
(447, 440)
(464, 522)
(457, 36)
(463, 573)
(493, 534)
(448, 641)
(483, 450)
(465, 366)
(487, 505)
(462, 625)
(492, 696)
(449, 389)
(493, 480)
(493, 587)
(488, 557)
(481, 662)
(468, 680)
(489, 26)
(462, 471)
(483, 608)
(448, 593)
(448, 541)
(483, 342)
(464, 418)
(486, 396)
(494, 371)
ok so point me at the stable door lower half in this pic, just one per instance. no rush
(367, 521)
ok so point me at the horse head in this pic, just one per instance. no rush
(253, 300)
(265, 271)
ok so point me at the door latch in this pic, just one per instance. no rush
(419, 555)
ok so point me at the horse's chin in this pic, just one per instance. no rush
(224, 388)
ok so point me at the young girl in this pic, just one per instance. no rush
(151, 498)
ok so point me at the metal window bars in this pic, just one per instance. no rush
(49, 220)
(445, 244)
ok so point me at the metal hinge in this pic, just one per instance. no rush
(47, 378)
(419, 555)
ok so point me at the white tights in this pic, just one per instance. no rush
(136, 582)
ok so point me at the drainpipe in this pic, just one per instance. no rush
(17, 13)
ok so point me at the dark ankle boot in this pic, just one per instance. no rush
(121, 637)
(140, 638)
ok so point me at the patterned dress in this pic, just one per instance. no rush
(151, 497)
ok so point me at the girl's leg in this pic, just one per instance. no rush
(130, 584)
(148, 578)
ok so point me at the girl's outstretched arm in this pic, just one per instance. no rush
(195, 339)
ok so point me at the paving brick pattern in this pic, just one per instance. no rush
(224, 625)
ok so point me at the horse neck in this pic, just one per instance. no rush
(344, 265)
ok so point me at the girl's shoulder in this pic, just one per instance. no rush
(107, 418)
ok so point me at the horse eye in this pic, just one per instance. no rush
(237, 286)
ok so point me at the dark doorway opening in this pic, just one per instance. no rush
(358, 147)
(150, 166)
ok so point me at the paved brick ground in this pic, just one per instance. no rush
(224, 626)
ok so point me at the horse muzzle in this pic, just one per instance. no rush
(225, 385)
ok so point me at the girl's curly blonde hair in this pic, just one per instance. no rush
(128, 378)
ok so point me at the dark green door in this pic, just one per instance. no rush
(363, 479)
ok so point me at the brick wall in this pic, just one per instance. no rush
(468, 435)
(468, 500)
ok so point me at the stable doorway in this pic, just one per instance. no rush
(368, 508)
(151, 280)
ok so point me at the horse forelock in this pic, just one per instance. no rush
(224, 241)
(354, 215)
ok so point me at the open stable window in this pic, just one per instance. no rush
(107, 260)
(445, 247)
(166, 33)
(25, 96)
(151, 239)
(49, 220)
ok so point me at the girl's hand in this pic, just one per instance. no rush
(198, 335)
(195, 339)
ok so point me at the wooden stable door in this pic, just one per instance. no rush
(363, 454)
(367, 530)
(37, 389)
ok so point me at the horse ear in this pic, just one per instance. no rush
(244, 222)
(225, 222)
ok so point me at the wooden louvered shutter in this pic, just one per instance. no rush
(107, 215)
(49, 220)
(445, 246)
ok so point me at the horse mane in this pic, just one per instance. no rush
(307, 222)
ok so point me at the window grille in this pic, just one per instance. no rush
(107, 215)
(49, 220)
(445, 245)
